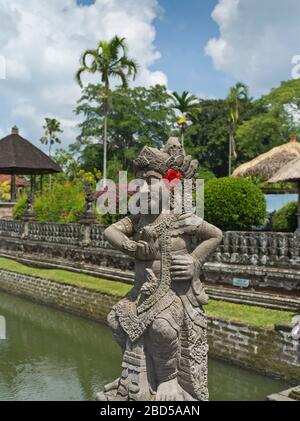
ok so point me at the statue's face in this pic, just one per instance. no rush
(155, 192)
(173, 147)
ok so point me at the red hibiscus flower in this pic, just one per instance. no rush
(172, 176)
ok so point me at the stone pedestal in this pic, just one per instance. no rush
(6, 210)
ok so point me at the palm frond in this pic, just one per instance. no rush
(88, 53)
(131, 66)
(78, 76)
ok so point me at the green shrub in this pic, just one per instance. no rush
(234, 204)
(64, 204)
(285, 219)
(205, 174)
(20, 207)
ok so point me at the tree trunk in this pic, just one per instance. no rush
(105, 152)
(298, 213)
(182, 140)
(230, 156)
(50, 176)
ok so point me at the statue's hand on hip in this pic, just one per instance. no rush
(183, 267)
(144, 251)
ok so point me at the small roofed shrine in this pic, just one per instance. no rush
(18, 156)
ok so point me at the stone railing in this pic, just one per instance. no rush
(96, 236)
(241, 248)
(10, 228)
(55, 233)
(68, 234)
(263, 259)
(259, 249)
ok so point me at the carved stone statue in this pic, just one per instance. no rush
(161, 325)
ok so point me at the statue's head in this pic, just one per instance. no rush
(163, 169)
(155, 163)
(173, 147)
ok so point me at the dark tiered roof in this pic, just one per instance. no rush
(19, 156)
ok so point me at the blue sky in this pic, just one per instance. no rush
(203, 46)
(182, 34)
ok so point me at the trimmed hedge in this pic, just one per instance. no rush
(234, 204)
(285, 219)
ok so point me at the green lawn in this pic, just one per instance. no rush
(256, 316)
(103, 285)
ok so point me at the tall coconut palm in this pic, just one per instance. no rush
(51, 128)
(110, 60)
(236, 94)
(188, 106)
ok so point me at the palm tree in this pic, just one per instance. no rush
(236, 94)
(110, 60)
(187, 105)
(52, 128)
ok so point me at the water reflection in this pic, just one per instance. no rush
(51, 355)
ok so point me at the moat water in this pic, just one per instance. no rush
(51, 355)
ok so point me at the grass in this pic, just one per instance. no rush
(255, 316)
(102, 285)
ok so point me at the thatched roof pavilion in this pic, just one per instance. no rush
(20, 157)
(290, 172)
(267, 164)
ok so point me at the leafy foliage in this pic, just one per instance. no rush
(140, 116)
(63, 204)
(187, 104)
(277, 120)
(285, 101)
(5, 191)
(285, 219)
(67, 162)
(234, 204)
(260, 134)
(20, 207)
(205, 174)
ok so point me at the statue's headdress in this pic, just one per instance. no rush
(169, 162)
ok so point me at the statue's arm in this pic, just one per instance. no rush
(210, 237)
(118, 235)
(184, 266)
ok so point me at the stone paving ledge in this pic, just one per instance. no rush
(291, 395)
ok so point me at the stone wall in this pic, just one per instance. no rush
(269, 351)
(80, 301)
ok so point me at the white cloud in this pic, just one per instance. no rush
(258, 39)
(42, 41)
